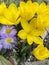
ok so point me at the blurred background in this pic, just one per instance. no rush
(20, 0)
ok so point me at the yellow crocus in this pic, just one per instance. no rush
(28, 9)
(11, 15)
(30, 32)
(43, 14)
(2, 7)
(41, 52)
(37, 27)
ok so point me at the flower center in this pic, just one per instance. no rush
(9, 40)
(8, 31)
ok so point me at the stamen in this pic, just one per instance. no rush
(9, 40)
(8, 31)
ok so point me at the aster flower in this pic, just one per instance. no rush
(9, 42)
(8, 31)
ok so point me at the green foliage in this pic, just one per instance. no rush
(22, 52)
(4, 61)
(8, 2)
(6, 53)
(40, 1)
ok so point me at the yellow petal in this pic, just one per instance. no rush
(5, 21)
(28, 9)
(46, 24)
(44, 20)
(43, 5)
(37, 40)
(33, 23)
(22, 9)
(22, 34)
(43, 14)
(8, 15)
(31, 9)
(12, 14)
(2, 8)
(42, 8)
(41, 52)
(37, 27)
(3, 5)
(31, 39)
(25, 25)
(35, 6)
(15, 11)
(12, 7)
(37, 32)
(9, 18)
(17, 22)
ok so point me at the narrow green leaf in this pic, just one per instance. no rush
(25, 49)
(4, 61)
(40, 1)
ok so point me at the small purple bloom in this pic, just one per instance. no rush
(8, 31)
(9, 42)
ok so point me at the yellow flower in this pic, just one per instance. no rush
(11, 15)
(43, 14)
(30, 32)
(41, 52)
(2, 7)
(28, 9)
(36, 27)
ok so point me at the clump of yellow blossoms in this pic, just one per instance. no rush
(41, 52)
(9, 15)
(34, 19)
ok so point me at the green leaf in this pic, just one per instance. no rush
(3, 51)
(25, 49)
(4, 61)
(40, 1)
(17, 2)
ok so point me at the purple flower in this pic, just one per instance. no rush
(9, 42)
(8, 31)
